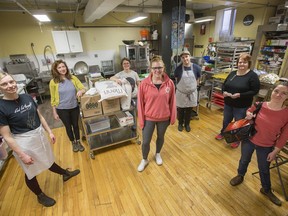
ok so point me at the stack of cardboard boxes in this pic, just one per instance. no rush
(91, 106)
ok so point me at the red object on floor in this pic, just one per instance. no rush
(234, 145)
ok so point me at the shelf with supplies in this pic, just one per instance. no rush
(270, 50)
(272, 55)
(108, 129)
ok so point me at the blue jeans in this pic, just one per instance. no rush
(247, 149)
(230, 113)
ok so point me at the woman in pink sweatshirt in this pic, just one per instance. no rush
(271, 125)
(156, 108)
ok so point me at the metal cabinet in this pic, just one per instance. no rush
(106, 130)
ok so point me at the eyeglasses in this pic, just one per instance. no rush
(157, 68)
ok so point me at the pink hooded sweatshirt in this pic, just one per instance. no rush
(154, 104)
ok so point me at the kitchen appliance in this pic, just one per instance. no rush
(138, 55)
(128, 42)
(80, 68)
(27, 68)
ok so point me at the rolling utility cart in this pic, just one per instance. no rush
(110, 129)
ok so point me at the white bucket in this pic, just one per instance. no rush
(154, 36)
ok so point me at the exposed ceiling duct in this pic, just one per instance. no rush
(96, 9)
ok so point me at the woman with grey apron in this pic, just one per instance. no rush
(186, 93)
(22, 126)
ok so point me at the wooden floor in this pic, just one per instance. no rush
(193, 180)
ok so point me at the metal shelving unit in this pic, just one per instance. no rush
(105, 130)
(226, 57)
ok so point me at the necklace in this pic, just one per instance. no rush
(233, 77)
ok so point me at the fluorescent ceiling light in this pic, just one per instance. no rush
(137, 17)
(42, 18)
(204, 19)
(286, 4)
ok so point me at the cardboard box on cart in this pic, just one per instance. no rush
(112, 105)
(90, 105)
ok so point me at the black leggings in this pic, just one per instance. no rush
(33, 184)
(70, 118)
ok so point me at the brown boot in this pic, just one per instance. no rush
(271, 197)
(236, 180)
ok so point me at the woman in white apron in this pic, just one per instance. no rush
(22, 126)
(187, 75)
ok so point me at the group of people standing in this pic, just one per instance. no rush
(159, 102)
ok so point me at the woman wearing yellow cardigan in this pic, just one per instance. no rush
(65, 89)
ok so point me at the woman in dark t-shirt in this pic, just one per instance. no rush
(22, 127)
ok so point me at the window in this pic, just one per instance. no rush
(225, 20)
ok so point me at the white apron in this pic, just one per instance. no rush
(186, 92)
(36, 144)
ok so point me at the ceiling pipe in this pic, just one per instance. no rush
(146, 9)
(20, 5)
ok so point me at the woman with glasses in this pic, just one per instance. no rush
(271, 125)
(156, 108)
(238, 89)
(22, 127)
(65, 89)
(187, 77)
(127, 72)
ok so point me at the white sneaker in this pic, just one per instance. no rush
(158, 159)
(142, 165)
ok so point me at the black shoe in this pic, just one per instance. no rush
(236, 180)
(271, 197)
(187, 128)
(45, 200)
(70, 174)
(180, 127)
(80, 146)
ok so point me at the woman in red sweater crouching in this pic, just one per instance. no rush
(272, 134)
(156, 108)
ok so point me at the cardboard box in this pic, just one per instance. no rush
(274, 42)
(90, 105)
(274, 20)
(125, 118)
(109, 106)
(283, 42)
(282, 27)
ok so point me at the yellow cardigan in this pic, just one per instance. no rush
(54, 91)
